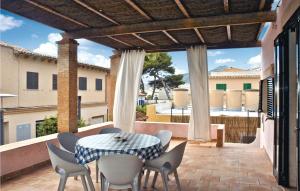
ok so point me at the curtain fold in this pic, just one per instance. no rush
(127, 87)
(199, 126)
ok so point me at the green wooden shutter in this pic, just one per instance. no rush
(221, 87)
(247, 86)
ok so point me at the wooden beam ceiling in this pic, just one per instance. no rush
(170, 36)
(179, 47)
(56, 13)
(138, 9)
(188, 23)
(226, 9)
(117, 40)
(261, 7)
(96, 11)
(111, 20)
(187, 15)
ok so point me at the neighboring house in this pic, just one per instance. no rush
(33, 78)
(234, 79)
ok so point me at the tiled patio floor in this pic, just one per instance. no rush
(234, 167)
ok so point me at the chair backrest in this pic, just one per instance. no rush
(110, 130)
(67, 141)
(120, 169)
(165, 138)
(61, 159)
(174, 156)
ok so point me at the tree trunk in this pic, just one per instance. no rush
(165, 88)
(142, 86)
(154, 87)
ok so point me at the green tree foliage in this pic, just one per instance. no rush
(49, 126)
(159, 66)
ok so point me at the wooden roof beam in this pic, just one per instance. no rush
(141, 38)
(187, 15)
(138, 9)
(56, 13)
(170, 36)
(95, 11)
(117, 40)
(179, 47)
(182, 9)
(261, 7)
(226, 9)
(188, 23)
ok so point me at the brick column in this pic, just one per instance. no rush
(111, 82)
(67, 85)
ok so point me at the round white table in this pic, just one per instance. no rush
(91, 148)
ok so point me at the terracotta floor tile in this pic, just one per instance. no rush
(204, 167)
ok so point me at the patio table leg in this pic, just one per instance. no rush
(97, 172)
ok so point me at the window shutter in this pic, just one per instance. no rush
(32, 80)
(270, 97)
(82, 83)
(260, 107)
(99, 84)
(54, 82)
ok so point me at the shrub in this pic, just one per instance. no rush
(141, 108)
(49, 126)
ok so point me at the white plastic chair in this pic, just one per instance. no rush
(167, 164)
(65, 165)
(120, 171)
(107, 130)
(110, 130)
(67, 141)
(165, 138)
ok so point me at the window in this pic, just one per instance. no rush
(97, 119)
(23, 132)
(32, 80)
(270, 97)
(99, 84)
(221, 87)
(82, 83)
(54, 82)
(247, 86)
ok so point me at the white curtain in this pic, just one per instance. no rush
(127, 87)
(199, 127)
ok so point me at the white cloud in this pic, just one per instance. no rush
(179, 71)
(255, 61)
(214, 53)
(8, 22)
(54, 37)
(224, 60)
(50, 48)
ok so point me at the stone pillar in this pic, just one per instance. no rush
(67, 85)
(111, 82)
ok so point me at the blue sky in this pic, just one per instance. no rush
(40, 38)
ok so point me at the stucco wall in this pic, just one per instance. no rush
(12, 120)
(284, 12)
(234, 83)
(13, 80)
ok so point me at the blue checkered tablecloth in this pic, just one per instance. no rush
(91, 148)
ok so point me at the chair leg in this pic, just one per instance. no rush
(177, 180)
(90, 182)
(135, 184)
(154, 179)
(62, 183)
(147, 178)
(83, 183)
(97, 171)
(105, 185)
(164, 177)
